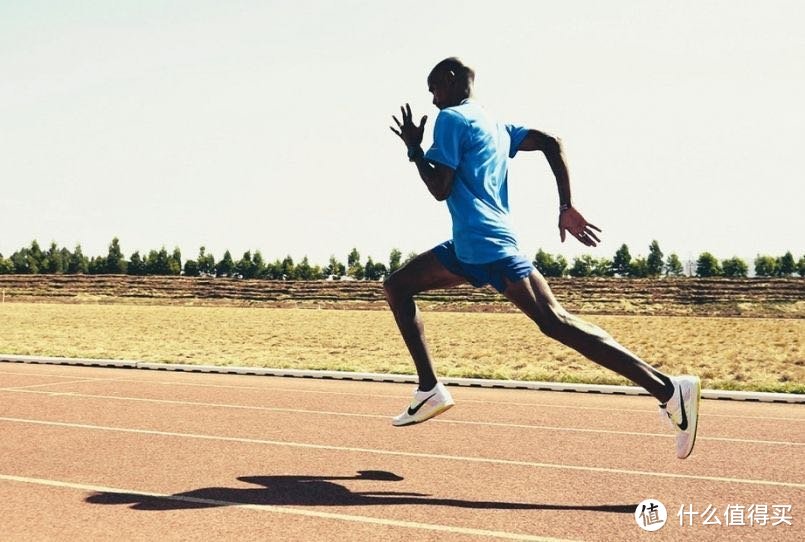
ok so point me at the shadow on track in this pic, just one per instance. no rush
(319, 491)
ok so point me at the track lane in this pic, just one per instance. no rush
(563, 503)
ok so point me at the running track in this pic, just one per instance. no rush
(96, 453)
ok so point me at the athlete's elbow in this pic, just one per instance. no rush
(552, 145)
(440, 190)
(441, 194)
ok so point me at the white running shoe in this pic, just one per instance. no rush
(426, 405)
(682, 412)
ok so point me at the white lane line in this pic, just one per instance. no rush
(23, 388)
(421, 455)
(283, 510)
(386, 417)
(395, 397)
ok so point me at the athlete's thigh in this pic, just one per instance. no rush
(532, 295)
(423, 273)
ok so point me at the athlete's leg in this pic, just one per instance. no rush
(423, 273)
(533, 296)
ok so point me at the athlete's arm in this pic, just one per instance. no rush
(569, 218)
(437, 177)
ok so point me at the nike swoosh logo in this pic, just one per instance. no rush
(684, 425)
(415, 409)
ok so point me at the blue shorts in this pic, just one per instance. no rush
(513, 268)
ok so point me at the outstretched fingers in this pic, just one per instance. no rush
(587, 236)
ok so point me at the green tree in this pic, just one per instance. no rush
(354, 258)
(621, 261)
(673, 267)
(259, 265)
(374, 271)
(245, 266)
(28, 261)
(582, 266)
(97, 265)
(226, 267)
(206, 262)
(801, 266)
(288, 269)
(602, 267)
(356, 271)
(654, 260)
(304, 271)
(786, 265)
(191, 268)
(53, 261)
(65, 258)
(274, 270)
(159, 263)
(36, 256)
(765, 266)
(78, 264)
(394, 260)
(335, 269)
(317, 273)
(638, 268)
(409, 257)
(734, 267)
(6, 266)
(115, 262)
(548, 265)
(136, 265)
(707, 266)
(175, 262)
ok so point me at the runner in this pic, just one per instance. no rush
(467, 166)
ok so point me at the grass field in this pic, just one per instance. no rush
(728, 353)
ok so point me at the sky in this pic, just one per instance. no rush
(263, 125)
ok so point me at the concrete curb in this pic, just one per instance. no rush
(397, 378)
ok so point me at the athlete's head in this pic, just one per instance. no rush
(450, 82)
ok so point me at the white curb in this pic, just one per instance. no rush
(763, 397)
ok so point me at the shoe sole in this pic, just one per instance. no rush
(443, 408)
(694, 420)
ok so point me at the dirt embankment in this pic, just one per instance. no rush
(779, 298)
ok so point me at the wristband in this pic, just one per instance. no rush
(414, 153)
(564, 207)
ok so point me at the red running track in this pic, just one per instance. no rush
(97, 454)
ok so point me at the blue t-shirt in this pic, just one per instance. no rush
(477, 147)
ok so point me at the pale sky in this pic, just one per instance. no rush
(264, 125)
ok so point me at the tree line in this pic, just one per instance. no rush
(656, 264)
(252, 265)
(60, 260)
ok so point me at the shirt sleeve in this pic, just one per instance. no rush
(516, 134)
(448, 137)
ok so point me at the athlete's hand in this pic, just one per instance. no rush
(410, 133)
(571, 220)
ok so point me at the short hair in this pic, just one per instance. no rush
(464, 75)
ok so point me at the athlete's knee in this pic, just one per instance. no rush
(553, 321)
(565, 327)
(394, 288)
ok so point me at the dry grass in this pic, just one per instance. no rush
(732, 353)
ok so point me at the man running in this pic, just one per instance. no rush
(467, 166)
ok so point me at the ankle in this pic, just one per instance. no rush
(425, 386)
(667, 391)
